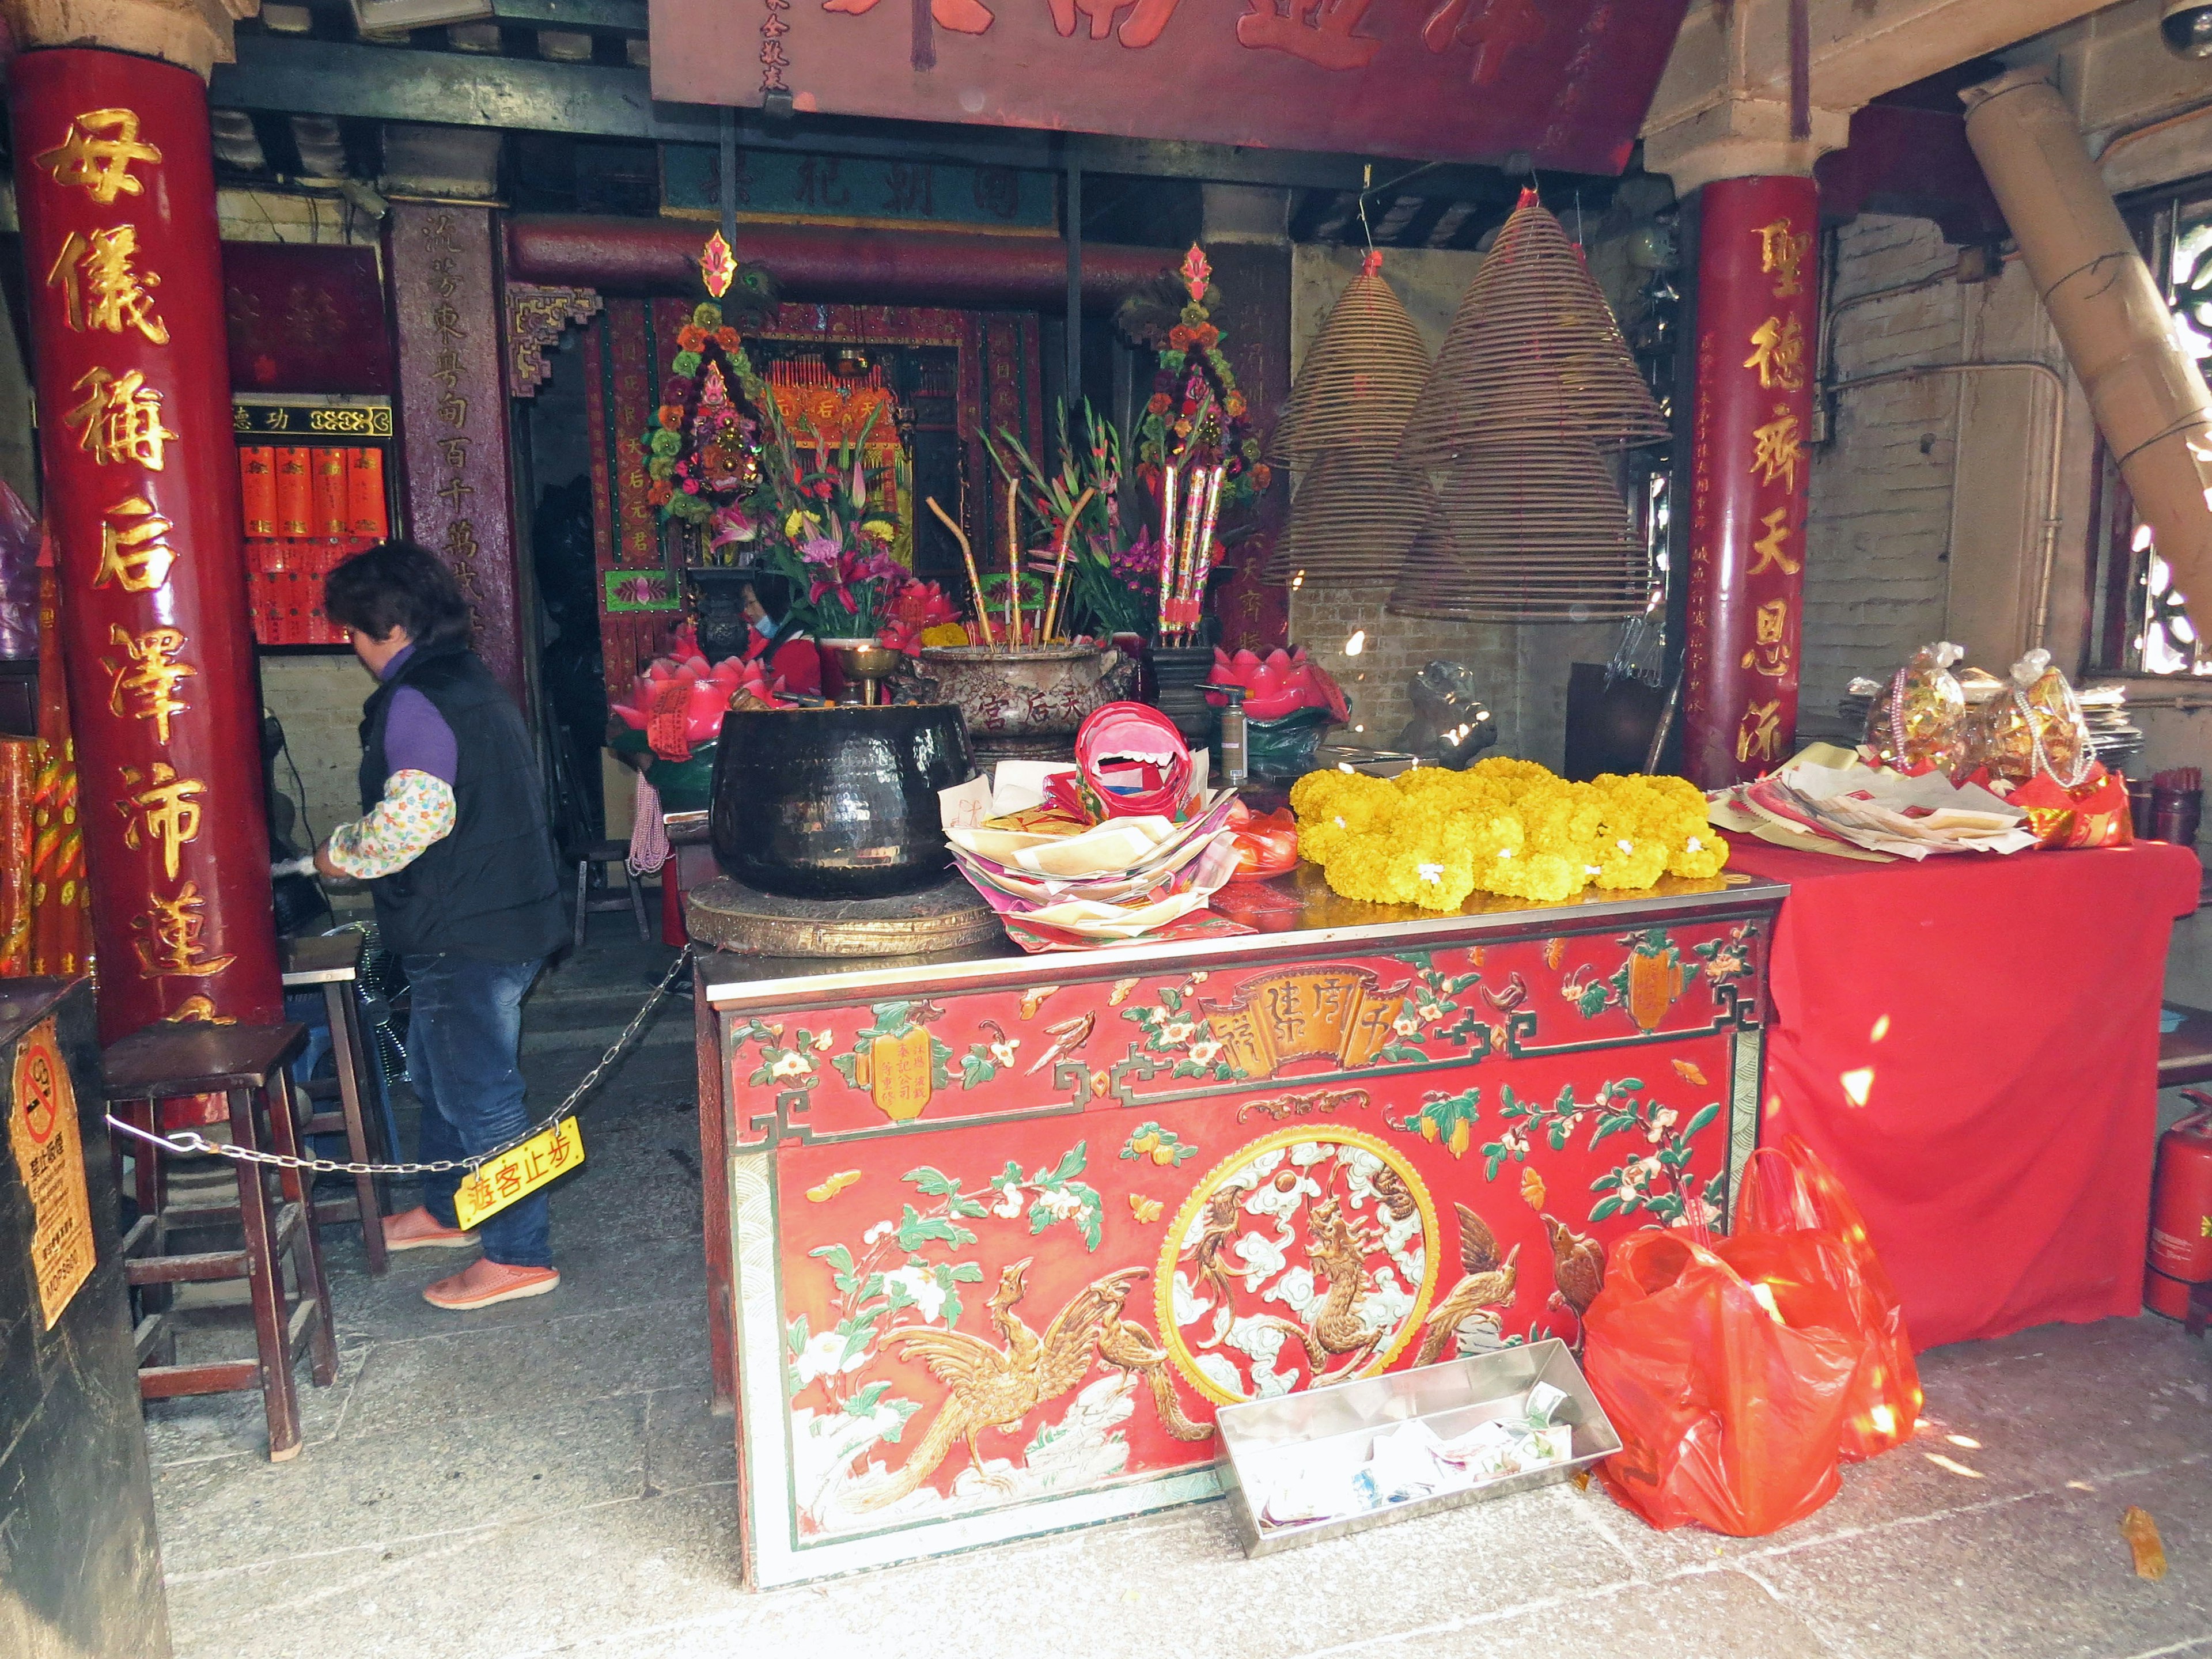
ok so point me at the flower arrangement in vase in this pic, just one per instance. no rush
(1112, 585)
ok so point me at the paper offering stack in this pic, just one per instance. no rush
(1830, 794)
(1127, 842)
(1951, 763)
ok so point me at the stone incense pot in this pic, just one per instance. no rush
(1038, 691)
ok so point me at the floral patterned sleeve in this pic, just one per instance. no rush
(417, 809)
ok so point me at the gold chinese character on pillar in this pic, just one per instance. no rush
(166, 812)
(1769, 652)
(149, 676)
(101, 289)
(1778, 352)
(1759, 733)
(97, 153)
(1771, 546)
(1781, 256)
(134, 551)
(121, 418)
(1774, 453)
(169, 931)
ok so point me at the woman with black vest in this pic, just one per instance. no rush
(453, 843)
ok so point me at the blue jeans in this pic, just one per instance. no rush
(463, 1035)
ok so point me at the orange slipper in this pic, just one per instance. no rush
(418, 1229)
(483, 1283)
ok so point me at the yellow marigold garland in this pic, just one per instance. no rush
(1431, 836)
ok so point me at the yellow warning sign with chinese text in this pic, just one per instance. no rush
(518, 1172)
(42, 1129)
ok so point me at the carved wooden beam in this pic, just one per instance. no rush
(535, 318)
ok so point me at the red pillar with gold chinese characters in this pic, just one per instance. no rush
(115, 187)
(1758, 322)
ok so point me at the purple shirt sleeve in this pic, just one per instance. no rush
(417, 740)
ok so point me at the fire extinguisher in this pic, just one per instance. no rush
(2181, 1213)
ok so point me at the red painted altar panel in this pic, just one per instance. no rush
(1074, 1214)
(1758, 282)
(1463, 79)
(115, 187)
(832, 1073)
(1229, 1249)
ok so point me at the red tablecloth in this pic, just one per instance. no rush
(1971, 1043)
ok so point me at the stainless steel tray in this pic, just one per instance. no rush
(1259, 1437)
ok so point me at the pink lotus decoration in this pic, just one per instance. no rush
(678, 703)
(1281, 682)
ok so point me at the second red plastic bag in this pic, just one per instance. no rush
(1787, 1192)
(1729, 1416)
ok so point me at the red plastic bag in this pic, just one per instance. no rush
(1729, 1416)
(1789, 1193)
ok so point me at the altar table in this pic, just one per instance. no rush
(1972, 1043)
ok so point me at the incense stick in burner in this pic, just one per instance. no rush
(1013, 566)
(967, 553)
(1167, 546)
(1059, 564)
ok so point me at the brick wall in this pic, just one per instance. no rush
(1879, 534)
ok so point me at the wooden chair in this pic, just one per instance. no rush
(246, 1064)
(607, 851)
(332, 961)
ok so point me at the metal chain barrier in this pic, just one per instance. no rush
(190, 1142)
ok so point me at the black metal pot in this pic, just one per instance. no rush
(836, 803)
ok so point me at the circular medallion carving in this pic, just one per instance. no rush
(1306, 1257)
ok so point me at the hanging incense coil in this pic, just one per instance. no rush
(1359, 380)
(1535, 532)
(1533, 345)
(1355, 515)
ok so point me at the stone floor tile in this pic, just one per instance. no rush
(481, 1591)
(1719, 1615)
(598, 1274)
(2022, 1578)
(228, 1425)
(228, 1515)
(686, 1444)
(519, 1369)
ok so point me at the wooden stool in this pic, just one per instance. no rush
(333, 961)
(246, 1064)
(607, 851)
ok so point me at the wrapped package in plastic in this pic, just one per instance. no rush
(1913, 725)
(2032, 744)
(2034, 728)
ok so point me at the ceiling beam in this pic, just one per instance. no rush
(295, 75)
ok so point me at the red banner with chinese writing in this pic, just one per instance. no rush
(115, 187)
(1566, 80)
(1758, 321)
(452, 411)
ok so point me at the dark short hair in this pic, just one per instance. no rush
(398, 584)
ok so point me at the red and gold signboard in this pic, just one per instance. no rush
(1566, 80)
(115, 187)
(1758, 324)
